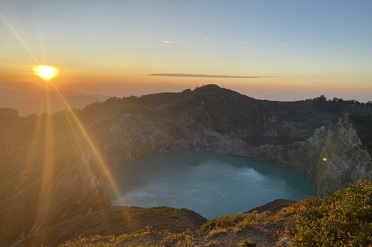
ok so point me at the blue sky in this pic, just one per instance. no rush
(297, 48)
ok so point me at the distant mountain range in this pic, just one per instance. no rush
(29, 102)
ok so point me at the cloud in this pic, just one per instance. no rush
(283, 44)
(331, 50)
(208, 76)
(172, 41)
(241, 42)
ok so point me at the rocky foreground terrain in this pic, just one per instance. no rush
(52, 166)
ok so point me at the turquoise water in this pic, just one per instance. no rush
(208, 183)
(262, 140)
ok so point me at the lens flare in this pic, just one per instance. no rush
(45, 72)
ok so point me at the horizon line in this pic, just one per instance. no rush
(208, 76)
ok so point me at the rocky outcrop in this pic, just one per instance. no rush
(333, 157)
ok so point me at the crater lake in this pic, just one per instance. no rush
(208, 183)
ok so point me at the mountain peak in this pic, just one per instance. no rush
(209, 88)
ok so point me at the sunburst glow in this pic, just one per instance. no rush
(45, 72)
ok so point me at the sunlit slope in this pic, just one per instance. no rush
(44, 178)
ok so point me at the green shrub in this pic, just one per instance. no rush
(184, 239)
(241, 221)
(343, 218)
(226, 221)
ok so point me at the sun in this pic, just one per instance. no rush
(45, 72)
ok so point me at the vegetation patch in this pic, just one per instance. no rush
(241, 221)
(104, 241)
(179, 239)
(343, 218)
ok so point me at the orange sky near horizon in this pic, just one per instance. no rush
(116, 83)
(112, 48)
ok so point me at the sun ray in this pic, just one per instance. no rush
(31, 161)
(97, 155)
(18, 37)
(48, 163)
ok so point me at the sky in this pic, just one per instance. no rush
(276, 50)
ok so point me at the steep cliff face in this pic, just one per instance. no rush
(130, 136)
(334, 156)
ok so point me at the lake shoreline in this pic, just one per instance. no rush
(196, 172)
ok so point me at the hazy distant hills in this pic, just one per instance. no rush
(29, 102)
